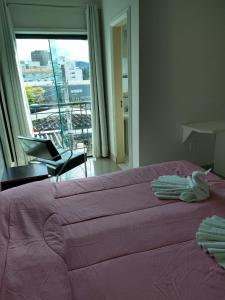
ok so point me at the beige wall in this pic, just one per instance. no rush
(112, 10)
(39, 15)
(182, 76)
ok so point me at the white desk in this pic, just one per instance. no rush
(211, 127)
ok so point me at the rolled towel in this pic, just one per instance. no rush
(187, 189)
(211, 237)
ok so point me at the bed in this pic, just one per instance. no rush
(107, 238)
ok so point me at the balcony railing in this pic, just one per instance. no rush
(66, 124)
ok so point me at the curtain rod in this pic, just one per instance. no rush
(47, 5)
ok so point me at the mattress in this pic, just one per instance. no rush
(108, 238)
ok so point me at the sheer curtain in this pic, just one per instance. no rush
(14, 110)
(99, 124)
(5, 135)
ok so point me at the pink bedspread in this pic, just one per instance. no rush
(107, 238)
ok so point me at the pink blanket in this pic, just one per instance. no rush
(107, 238)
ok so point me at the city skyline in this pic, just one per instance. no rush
(73, 49)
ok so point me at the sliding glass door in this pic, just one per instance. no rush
(56, 78)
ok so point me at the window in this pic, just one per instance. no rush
(56, 77)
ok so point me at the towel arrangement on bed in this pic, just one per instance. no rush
(211, 236)
(188, 189)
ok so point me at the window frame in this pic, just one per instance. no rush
(49, 36)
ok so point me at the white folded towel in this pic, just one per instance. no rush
(188, 189)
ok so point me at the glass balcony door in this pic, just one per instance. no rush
(56, 78)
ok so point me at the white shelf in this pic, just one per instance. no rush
(211, 127)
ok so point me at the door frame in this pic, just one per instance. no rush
(118, 21)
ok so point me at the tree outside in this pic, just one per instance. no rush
(35, 94)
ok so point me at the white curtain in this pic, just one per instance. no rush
(14, 104)
(99, 124)
(5, 135)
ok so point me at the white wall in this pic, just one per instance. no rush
(41, 15)
(112, 10)
(182, 76)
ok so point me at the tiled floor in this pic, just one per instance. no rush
(95, 167)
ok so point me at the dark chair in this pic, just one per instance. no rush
(57, 162)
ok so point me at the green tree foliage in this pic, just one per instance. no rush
(35, 94)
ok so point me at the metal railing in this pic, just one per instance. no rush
(66, 124)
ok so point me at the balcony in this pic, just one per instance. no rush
(66, 124)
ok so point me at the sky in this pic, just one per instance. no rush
(73, 49)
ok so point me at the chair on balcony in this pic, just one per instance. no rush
(57, 162)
